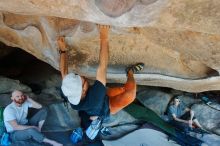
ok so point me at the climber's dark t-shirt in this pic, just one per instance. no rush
(96, 102)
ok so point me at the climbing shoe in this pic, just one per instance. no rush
(135, 68)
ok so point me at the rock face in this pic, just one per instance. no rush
(9, 85)
(154, 99)
(177, 40)
(209, 118)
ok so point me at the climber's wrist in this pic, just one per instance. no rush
(62, 51)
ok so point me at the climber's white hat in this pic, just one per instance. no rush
(72, 88)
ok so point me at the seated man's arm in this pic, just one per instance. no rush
(16, 126)
(103, 55)
(191, 114)
(34, 103)
(172, 112)
(179, 120)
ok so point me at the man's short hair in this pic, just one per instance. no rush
(176, 97)
(15, 91)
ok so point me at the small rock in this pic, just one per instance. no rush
(8, 85)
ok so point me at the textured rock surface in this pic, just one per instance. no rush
(155, 99)
(209, 118)
(177, 40)
(60, 119)
(8, 85)
(122, 128)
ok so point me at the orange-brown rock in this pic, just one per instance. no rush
(179, 41)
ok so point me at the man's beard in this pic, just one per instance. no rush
(20, 101)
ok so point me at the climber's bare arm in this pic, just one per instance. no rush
(103, 54)
(63, 56)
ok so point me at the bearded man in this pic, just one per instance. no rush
(18, 126)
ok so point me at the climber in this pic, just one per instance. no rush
(180, 115)
(91, 101)
(18, 126)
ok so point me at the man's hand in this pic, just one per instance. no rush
(35, 127)
(27, 97)
(61, 43)
(34, 103)
(103, 29)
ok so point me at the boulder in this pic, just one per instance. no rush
(154, 98)
(5, 99)
(8, 85)
(208, 117)
(119, 125)
(170, 37)
(60, 119)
